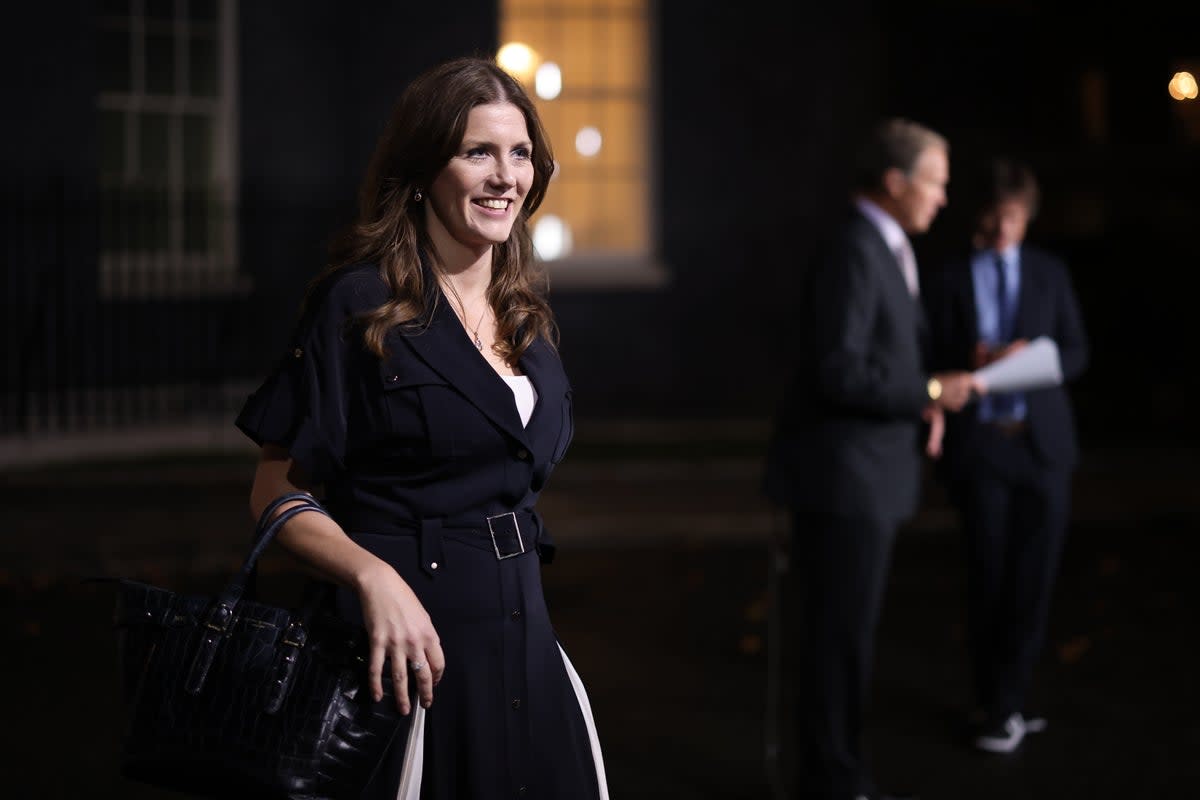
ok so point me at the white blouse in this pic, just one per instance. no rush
(524, 394)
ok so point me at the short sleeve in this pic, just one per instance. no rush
(301, 406)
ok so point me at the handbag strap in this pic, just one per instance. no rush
(268, 526)
(222, 612)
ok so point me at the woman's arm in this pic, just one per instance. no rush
(397, 624)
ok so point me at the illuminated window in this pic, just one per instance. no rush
(167, 151)
(587, 64)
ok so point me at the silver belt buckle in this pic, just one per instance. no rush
(516, 527)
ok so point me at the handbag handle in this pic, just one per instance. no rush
(221, 614)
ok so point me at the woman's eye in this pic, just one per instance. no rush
(522, 152)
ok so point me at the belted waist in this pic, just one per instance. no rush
(507, 535)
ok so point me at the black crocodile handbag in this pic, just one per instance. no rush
(225, 696)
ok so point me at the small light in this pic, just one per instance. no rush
(517, 59)
(551, 238)
(547, 81)
(588, 141)
(1182, 86)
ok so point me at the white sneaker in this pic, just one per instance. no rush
(1007, 737)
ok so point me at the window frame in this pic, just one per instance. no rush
(173, 270)
(600, 268)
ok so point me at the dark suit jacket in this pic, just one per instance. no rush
(846, 439)
(1047, 307)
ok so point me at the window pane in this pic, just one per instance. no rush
(114, 54)
(160, 64)
(582, 206)
(533, 32)
(202, 66)
(625, 65)
(197, 148)
(603, 51)
(147, 220)
(627, 228)
(112, 214)
(153, 146)
(197, 217)
(570, 117)
(624, 135)
(578, 58)
(112, 144)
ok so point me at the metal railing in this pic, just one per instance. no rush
(98, 343)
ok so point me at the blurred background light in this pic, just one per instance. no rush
(1182, 86)
(588, 141)
(547, 81)
(517, 59)
(551, 238)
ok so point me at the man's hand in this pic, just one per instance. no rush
(936, 418)
(956, 389)
(985, 354)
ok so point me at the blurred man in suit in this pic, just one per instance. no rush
(845, 457)
(1008, 459)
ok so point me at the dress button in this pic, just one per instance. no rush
(433, 565)
(516, 703)
(516, 614)
(297, 352)
(523, 454)
(393, 378)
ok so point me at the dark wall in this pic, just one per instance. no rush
(317, 84)
(1118, 184)
(755, 99)
(47, 200)
(758, 104)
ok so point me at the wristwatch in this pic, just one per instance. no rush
(933, 388)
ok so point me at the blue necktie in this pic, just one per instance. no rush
(1003, 404)
(1003, 309)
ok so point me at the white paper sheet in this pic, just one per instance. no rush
(1035, 366)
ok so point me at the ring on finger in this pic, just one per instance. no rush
(417, 666)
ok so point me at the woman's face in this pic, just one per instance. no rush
(475, 199)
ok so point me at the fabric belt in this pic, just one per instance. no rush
(507, 535)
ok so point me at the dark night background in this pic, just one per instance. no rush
(758, 106)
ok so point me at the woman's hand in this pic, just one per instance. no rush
(401, 636)
(398, 626)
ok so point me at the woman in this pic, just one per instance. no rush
(423, 393)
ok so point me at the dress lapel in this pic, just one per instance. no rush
(446, 348)
(548, 378)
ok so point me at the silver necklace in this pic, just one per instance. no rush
(474, 334)
(478, 342)
(462, 316)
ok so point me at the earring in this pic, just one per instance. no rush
(417, 196)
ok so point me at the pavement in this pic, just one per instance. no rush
(660, 594)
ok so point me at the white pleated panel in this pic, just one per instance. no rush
(414, 748)
(414, 757)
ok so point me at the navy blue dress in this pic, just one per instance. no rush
(424, 461)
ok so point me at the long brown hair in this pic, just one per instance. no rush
(425, 130)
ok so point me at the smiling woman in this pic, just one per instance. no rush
(424, 395)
